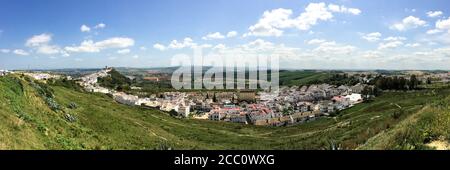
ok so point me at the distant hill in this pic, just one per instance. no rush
(35, 115)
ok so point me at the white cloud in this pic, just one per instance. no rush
(390, 44)
(205, 46)
(343, 9)
(413, 45)
(273, 22)
(433, 14)
(329, 48)
(407, 23)
(143, 48)
(85, 28)
(41, 43)
(259, 44)
(187, 42)
(38, 40)
(372, 37)
(48, 49)
(371, 54)
(212, 36)
(21, 52)
(220, 47)
(116, 42)
(314, 12)
(124, 51)
(5, 50)
(101, 25)
(316, 41)
(159, 47)
(395, 39)
(175, 44)
(443, 24)
(135, 56)
(91, 46)
(434, 31)
(232, 34)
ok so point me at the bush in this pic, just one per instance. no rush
(24, 116)
(397, 113)
(52, 104)
(72, 105)
(70, 118)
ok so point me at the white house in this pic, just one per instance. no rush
(3, 72)
(126, 99)
(354, 97)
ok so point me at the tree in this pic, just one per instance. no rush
(413, 82)
(214, 98)
(429, 80)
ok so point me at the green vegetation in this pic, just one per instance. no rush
(298, 78)
(397, 83)
(71, 84)
(394, 120)
(115, 80)
(429, 124)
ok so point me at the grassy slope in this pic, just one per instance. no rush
(103, 124)
(431, 123)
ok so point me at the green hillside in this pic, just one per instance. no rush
(38, 116)
(299, 78)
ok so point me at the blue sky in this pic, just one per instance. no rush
(341, 34)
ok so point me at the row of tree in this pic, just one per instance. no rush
(397, 83)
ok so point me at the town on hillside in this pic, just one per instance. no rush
(289, 105)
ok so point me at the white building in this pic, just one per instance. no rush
(97, 89)
(354, 97)
(126, 99)
(42, 76)
(4, 72)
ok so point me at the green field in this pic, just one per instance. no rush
(299, 78)
(394, 120)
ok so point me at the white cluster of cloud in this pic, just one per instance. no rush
(413, 45)
(124, 51)
(441, 32)
(407, 23)
(327, 48)
(85, 28)
(41, 43)
(175, 44)
(187, 42)
(89, 46)
(16, 51)
(391, 42)
(21, 52)
(443, 24)
(433, 14)
(372, 37)
(316, 41)
(343, 9)
(218, 35)
(273, 22)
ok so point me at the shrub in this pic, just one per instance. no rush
(72, 105)
(70, 118)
